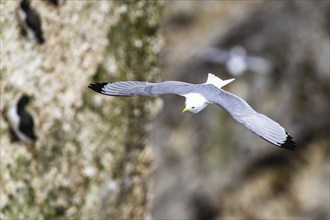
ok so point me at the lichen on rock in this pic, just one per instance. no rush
(83, 137)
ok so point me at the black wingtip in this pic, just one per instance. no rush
(289, 144)
(97, 87)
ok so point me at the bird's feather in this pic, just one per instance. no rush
(137, 88)
(259, 124)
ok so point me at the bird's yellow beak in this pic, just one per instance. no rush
(185, 110)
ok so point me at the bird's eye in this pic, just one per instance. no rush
(193, 107)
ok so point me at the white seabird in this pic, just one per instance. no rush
(198, 96)
(237, 60)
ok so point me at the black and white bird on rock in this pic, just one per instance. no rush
(30, 22)
(21, 125)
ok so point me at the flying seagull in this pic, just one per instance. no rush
(198, 96)
(21, 125)
(237, 60)
(30, 22)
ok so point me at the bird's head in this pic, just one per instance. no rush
(195, 103)
(25, 5)
(23, 101)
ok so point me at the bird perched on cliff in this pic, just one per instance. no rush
(198, 96)
(20, 121)
(30, 22)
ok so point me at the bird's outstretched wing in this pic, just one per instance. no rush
(259, 124)
(138, 88)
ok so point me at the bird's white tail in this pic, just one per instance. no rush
(214, 80)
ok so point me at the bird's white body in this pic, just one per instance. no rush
(237, 62)
(195, 102)
(14, 120)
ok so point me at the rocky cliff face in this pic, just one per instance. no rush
(90, 159)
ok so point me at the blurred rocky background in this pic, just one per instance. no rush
(100, 157)
(209, 166)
